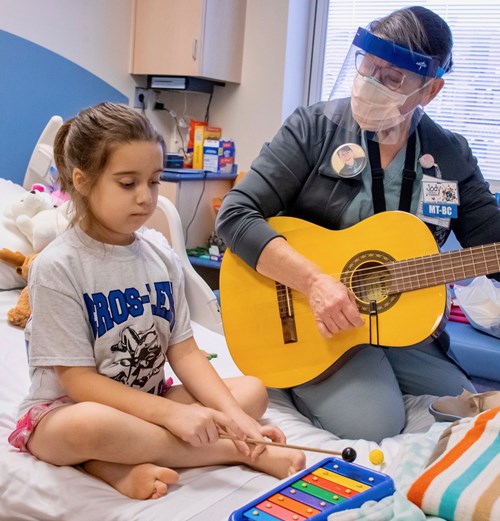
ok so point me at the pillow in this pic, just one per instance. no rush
(10, 235)
(462, 480)
(9, 192)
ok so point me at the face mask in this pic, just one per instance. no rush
(375, 107)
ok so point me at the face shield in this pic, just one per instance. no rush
(380, 89)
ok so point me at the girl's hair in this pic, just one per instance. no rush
(87, 140)
(420, 30)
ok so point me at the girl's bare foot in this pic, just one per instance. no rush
(145, 481)
(279, 462)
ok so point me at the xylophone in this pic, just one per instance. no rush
(329, 486)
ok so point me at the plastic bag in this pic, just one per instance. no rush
(480, 302)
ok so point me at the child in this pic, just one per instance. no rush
(107, 305)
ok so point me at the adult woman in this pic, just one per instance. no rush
(396, 70)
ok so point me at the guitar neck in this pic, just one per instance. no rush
(442, 268)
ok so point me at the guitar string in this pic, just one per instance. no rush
(419, 263)
(429, 260)
(367, 285)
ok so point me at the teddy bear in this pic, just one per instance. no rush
(21, 312)
(29, 204)
(38, 219)
(44, 226)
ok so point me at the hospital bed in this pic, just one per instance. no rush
(31, 490)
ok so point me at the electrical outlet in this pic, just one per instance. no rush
(140, 98)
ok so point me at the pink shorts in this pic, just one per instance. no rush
(167, 384)
(27, 424)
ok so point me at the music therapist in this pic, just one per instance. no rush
(395, 68)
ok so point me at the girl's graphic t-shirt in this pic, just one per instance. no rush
(115, 308)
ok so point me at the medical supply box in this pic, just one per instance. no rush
(218, 155)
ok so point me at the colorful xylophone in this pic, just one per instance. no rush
(329, 486)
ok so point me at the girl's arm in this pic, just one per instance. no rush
(193, 424)
(203, 383)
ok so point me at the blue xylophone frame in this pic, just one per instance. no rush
(381, 485)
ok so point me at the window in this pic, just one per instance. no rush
(470, 101)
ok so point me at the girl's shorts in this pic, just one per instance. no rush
(27, 424)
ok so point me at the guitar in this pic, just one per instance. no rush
(392, 265)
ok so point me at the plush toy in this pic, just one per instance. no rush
(19, 315)
(44, 226)
(56, 195)
(29, 204)
(38, 219)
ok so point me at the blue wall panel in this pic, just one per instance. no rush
(35, 84)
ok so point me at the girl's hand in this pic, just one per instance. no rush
(253, 429)
(199, 425)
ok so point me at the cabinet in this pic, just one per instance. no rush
(202, 38)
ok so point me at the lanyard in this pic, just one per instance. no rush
(409, 176)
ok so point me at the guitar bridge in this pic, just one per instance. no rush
(373, 318)
(287, 316)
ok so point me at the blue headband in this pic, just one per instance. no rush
(397, 55)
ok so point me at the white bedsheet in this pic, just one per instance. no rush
(36, 491)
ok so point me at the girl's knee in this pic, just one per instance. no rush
(259, 392)
(82, 425)
(251, 394)
(67, 432)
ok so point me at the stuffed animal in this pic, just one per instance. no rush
(38, 219)
(19, 315)
(29, 204)
(43, 227)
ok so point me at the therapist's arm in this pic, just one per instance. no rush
(333, 305)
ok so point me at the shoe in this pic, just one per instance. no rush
(453, 408)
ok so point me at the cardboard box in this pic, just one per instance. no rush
(218, 155)
(198, 139)
(212, 133)
(226, 156)
(202, 133)
(211, 155)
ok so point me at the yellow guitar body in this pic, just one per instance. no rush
(251, 315)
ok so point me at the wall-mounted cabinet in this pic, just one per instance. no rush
(202, 38)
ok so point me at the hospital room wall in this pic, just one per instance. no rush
(96, 36)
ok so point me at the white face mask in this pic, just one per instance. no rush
(375, 107)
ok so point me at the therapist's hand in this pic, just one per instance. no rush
(333, 305)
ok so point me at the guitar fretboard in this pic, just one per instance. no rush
(441, 268)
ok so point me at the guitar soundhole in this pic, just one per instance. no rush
(369, 279)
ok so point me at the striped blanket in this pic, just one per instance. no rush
(462, 480)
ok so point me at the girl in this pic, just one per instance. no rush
(107, 304)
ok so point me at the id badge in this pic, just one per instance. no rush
(439, 201)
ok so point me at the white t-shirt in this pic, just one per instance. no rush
(116, 308)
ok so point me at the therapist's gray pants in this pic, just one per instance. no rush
(364, 399)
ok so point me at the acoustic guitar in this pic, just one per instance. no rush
(392, 265)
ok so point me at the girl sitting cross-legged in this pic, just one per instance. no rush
(108, 306)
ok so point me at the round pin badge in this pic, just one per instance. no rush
(348, 160)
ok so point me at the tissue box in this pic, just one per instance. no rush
(218, 156)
